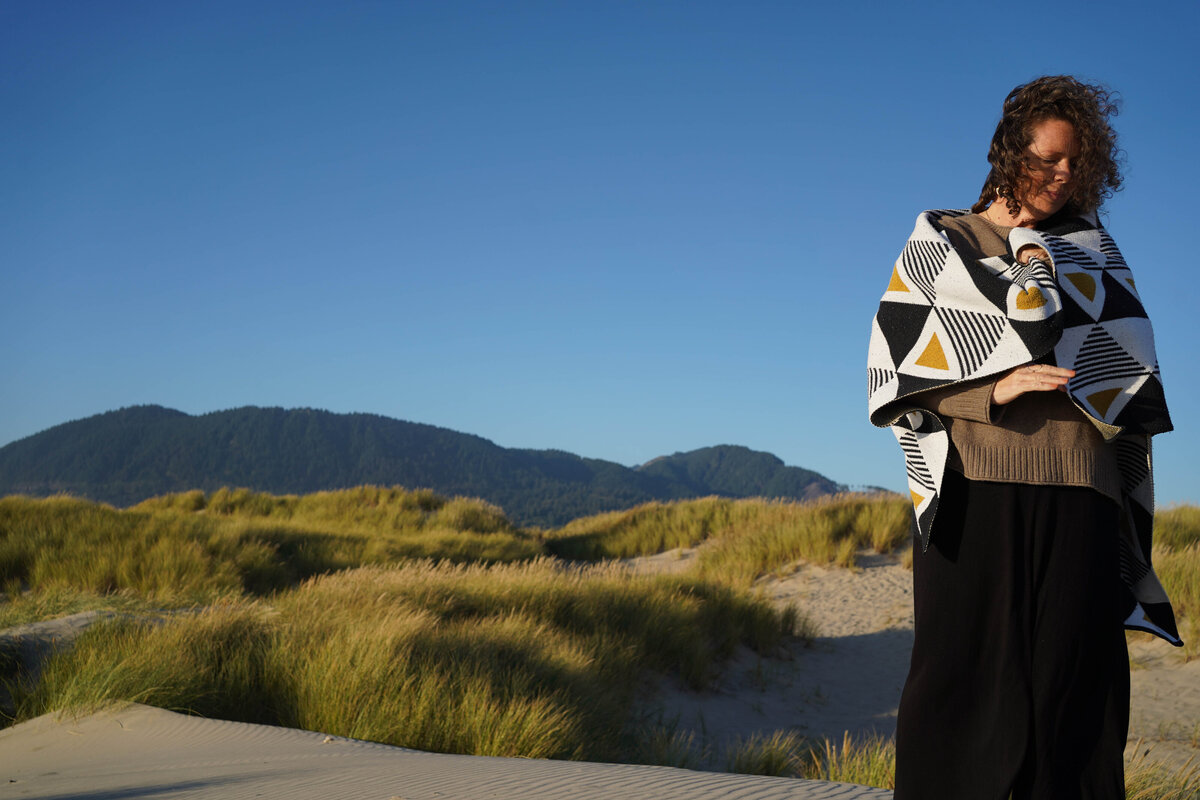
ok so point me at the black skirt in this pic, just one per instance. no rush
(1019, 679)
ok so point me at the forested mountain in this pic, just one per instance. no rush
(124, 456)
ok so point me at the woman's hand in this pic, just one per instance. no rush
(1030, 378)
(1031, 251)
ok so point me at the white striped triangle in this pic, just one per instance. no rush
(972, 335)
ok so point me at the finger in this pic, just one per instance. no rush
(1045, 383)
(1050, 371)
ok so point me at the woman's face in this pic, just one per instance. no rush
(1049, 160)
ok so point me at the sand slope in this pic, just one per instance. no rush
(143, 752)
(849, 679)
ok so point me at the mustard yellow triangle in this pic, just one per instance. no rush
(1086, 284)
(916, 497)
(1031, 298)
(934, 356)
(896, 285)
(1102, 400)
(1131, 283)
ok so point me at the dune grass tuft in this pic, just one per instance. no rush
(648, 529)
(829, 531)
(1179, 571)
(1177, 527)
(1147, 780)
(520, 660)
(19, 607)
(746, 538)
(870, 761)
(781, 754)
(192, 547)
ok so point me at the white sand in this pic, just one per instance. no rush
(146, 752)
(851, 677)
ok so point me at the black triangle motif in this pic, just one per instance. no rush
(903, 323)
(992, 286)
(1039, 338)
(911, 384)
(1146, 411)
(1119, 302)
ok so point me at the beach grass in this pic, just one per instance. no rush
(828, 531)
(1176, 559)
(409, 618)
(191, 547)
(1179, 571)
(532, 660)
(1148, 780)
(745, 538)
(649, 528)
(19, 607)
(1177, 527)
(871, 761)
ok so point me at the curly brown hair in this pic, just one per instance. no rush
(1095, 174)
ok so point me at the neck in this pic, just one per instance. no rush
(998, 213)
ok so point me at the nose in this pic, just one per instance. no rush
(1062, 171)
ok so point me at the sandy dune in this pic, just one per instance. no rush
(851, 677)
(143, 752)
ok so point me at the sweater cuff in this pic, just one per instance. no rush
(974, 404)
(1020, 237)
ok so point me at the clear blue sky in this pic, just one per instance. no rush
(621, 229)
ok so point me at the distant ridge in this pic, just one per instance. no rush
(122, 457)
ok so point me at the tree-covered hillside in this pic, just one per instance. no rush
(122, 457)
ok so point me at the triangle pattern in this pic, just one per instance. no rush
(876, 378)
(991, 282)
(1031, 298)
(1083, 295)
(933, 357)
(1119, 302)
(914, 461)
(1101, 359)
(923, 261)
(1111, 253)
(1102, 400)
(972, 335)
(906, 321)
(1062, 250)
(1085, 283)
(991, 314)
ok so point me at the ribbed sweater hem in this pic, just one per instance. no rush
(1043, 467)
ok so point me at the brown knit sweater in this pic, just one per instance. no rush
(1040, 437)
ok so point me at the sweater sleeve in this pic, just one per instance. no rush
(971, 400)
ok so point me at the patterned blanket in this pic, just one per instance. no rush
(946, 319)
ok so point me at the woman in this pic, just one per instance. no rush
(1013, 359)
